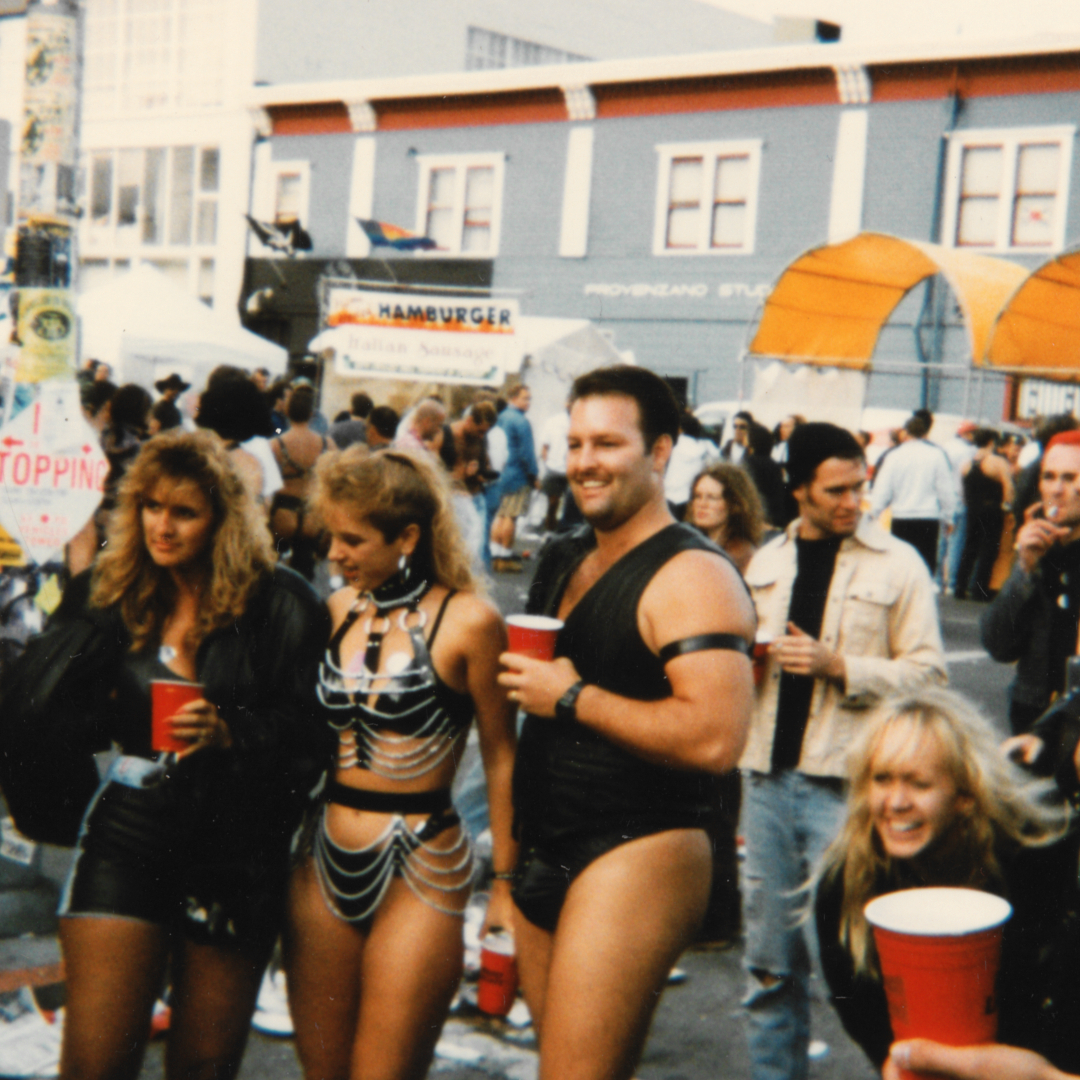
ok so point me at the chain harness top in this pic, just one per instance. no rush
(400, 723)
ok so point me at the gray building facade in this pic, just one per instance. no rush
(663, 198)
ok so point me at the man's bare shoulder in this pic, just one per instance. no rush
(697, 592)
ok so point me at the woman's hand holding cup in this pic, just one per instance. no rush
(184, 721)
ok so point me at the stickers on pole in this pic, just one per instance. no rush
(52, 472)
(47, 331)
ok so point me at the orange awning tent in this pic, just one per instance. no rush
(829, 306)
(1038, 332)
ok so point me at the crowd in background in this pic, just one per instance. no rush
(967, 506)
(275, 433)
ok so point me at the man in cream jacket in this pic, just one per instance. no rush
(852, 617)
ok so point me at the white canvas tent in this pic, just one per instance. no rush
(560, 350)
(146, 327)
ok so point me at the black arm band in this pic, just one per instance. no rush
(701, 642)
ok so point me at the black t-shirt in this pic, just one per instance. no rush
(815, 562)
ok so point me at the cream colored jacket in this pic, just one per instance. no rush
(881, 616)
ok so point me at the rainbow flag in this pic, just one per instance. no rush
(382, 234)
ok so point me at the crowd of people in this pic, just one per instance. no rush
(726, 612)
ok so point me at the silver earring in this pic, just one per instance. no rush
(403, 567)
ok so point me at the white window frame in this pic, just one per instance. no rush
(264, 200)
(708, 152)
(1010, 140)
(460, 162)
(302, 170)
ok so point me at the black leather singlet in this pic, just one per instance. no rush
(569, 781)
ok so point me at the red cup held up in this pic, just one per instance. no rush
(939, 950)
(533, 635)
(168, 696)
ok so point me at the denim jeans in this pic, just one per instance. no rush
(788, 820)
(949, 563)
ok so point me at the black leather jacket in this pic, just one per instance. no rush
(1019, 627)
(57, 707)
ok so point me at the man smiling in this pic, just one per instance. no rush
(851, 614)
(649, 693)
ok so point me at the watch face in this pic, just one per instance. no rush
(566, 709)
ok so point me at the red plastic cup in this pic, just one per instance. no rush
(762, 640)
(498, 983)
(939, 951)
(533, 635)
(168, 697)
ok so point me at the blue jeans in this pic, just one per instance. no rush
(788, 820)
(949, 563)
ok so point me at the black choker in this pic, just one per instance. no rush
(398, 591)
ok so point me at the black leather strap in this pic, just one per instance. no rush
(701, 642)
(389, 802)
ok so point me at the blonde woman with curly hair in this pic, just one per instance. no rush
(374, 943)
(933, 802)
(182, 859)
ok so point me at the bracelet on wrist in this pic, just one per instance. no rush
(504, 875)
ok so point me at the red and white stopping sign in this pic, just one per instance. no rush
(52, 471)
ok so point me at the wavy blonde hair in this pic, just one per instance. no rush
(392, 489)
(240, 555)
(1003, 803)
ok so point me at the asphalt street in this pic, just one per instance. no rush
(698, 1030)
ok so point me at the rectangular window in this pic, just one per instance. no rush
(287, 200)
(101, 175)
(1007, 190)
(485, 49)
(206, 223)
(706, 200)
(154, 185)
(129, 178)
(206, 281)
(459, 203)
(183, 182)
(209, 167)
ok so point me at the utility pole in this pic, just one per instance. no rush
(51, 465)
(47, 450)
(45, 261)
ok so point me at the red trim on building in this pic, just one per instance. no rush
(716, 94)
(322, 118)
(995, 77)
(472, 110)
(764, 90)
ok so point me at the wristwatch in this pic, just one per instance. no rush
(566, 706)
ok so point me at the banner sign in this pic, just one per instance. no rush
(1038, 397)
(52, 471)
(421, 337)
